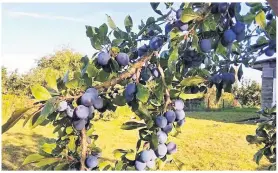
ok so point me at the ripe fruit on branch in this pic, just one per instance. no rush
(161, 121)
(122, 59)
(103, 58)
(229, 36)
(205, 45)
(156, 43)
(91, 162)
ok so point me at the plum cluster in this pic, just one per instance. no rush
(84, 112)
(104, 58)
(271, 48)
(228, 78)
(191, 58)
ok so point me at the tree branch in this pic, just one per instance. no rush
(167, 93)
(84, 145)
(136, 66)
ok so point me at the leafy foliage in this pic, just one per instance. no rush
(266, 135)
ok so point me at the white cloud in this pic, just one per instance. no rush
(44, 16)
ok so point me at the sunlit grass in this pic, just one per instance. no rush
(202, 145)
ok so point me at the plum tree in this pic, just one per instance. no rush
(155, 73)
(69, 111)
(269, 52)
(238, 28)
(168, 128)
(156, 43)
(122, 59)
(103, 58)
(229, 36)
(161, 121)
(222, 7)
(91, 161)
(181, 122)
(162, 137)
(170, 115)
(180, 114)
(145, 156)
(81, 112)
(205, 45)
(161, 150)
(140, 166)
(168, 28)
(143, 50)
(130, 68)
(79, 124)
(171, 148)
(87, 99)
(179, 104)
(151, 164)
(98, 103)
(269, 16)
(179, 13)
(62, 106)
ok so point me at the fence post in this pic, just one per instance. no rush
(223, 104)
(208, 104)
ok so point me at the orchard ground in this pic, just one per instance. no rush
(209, 141)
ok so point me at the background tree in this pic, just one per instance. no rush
(248, 93)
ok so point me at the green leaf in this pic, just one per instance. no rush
(154, 141)
(47, 161)
(209, 24)
(271, 29)
(61, 166)
(48, 148)
(69, 130)
(154, 6)
(92, 70)
(40, 93)
(192, 81)
(258, 156)
(248, 18)
(261, 40)
(117, 42)
(96, 42)
(173, 59)
(239, 72)
(66, 77)
(32, 158)
(128, 23)
(50, 106)
(131, 125)
(142, 93)
(103, 30)
(221, 49)
(119, 165)
(111, 22)
(188, 14)
(195, 42)
(71, 144)
(15, 117)
(150, 20)
(118, 154)
(72, 84)
(51, 79)
(261, 19)
(191, 96)
(103, 164)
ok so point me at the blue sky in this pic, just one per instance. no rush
(33, 30)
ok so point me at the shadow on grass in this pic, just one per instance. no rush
(13, 155)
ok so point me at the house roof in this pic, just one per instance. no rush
(258, 65)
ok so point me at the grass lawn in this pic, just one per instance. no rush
(209, 141)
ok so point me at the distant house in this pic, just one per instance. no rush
(268, 68)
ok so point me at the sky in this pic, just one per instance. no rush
(33, 30)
